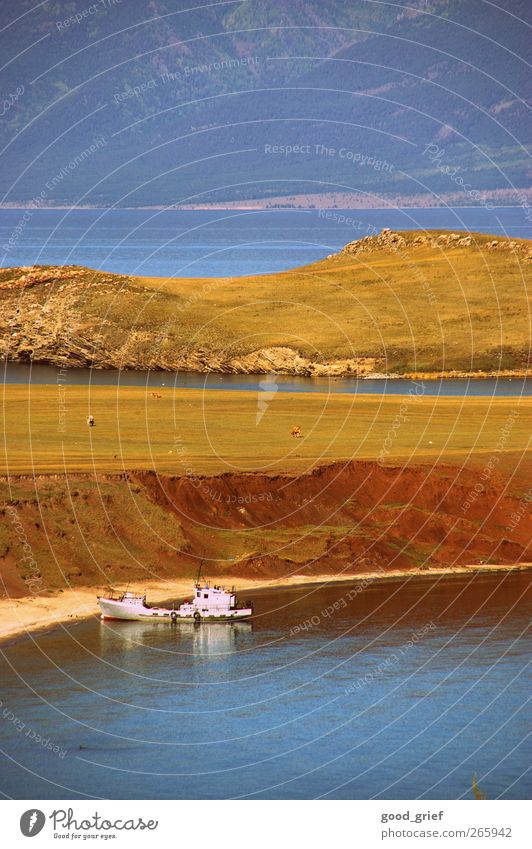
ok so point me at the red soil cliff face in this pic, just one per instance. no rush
(347, 518)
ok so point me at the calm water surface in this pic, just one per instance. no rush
(22, 373)
(404, 691)
(218, 243)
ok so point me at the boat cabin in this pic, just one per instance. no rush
(213, 600)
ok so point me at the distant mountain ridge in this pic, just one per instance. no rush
(190, 102)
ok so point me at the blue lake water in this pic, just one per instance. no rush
(406, 690)
(217, 243)
(24, 373)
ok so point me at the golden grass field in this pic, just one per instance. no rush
(196, 431)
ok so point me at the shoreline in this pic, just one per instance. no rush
(290, 203)
(22, 617)
(335, 374)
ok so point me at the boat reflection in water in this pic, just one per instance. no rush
(182, 638)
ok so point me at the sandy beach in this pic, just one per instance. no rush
(24, 616)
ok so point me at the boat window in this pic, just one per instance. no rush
(205, 595)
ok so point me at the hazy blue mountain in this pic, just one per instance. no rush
(134, 103)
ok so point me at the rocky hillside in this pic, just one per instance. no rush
(400, 303)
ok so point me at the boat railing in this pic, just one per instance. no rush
(120, 595)
(112, 595)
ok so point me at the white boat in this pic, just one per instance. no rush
(209, 604)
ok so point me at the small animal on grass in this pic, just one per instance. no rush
(90, 421)
(296, 431)
(156, 395)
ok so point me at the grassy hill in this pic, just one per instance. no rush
(396, 303)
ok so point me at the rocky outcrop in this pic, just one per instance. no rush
(394, 241)
(289, 361)
(27, 276)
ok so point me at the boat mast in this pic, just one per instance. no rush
(200, 574)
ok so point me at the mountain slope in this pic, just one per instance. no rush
(190, 103)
